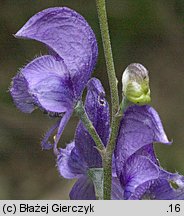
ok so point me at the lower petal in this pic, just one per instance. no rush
(48, 80)
(21, 97)
(163, 190)
(69, 162)
(117, 192)
(137, 171)
(83, 189)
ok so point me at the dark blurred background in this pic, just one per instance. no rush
(148, 32)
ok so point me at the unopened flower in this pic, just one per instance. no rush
(135, 81)
(54, 83)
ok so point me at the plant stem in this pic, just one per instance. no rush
(80, 111)
(107, 166)
(107, 157)
(102, 15)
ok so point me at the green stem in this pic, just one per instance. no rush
(123, 105)
(102, 15)
(110, 148)
(80, 111)
(107, 157)
(107, 167)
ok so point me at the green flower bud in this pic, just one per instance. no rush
(135, 82)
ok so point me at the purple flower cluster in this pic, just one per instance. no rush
(54, 83)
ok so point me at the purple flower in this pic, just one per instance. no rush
(54, 83)
(139, 171)
(79, 156)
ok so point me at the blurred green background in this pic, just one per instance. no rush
(148, 32)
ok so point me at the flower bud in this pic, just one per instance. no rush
(135, 82)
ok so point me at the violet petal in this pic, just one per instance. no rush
(150, 173)
(162, 190)
(140, 126)
(98, 111)
(69, 163)
(137, 170)
(69, 35)
(83, 189)
(140, 191)
(20, 94)
(148, 151)
(117, 192)
(48, 81)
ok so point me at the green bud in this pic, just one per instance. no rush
(135, 82)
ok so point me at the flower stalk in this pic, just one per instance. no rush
(81, 113)
(102, 15)
(107, 159)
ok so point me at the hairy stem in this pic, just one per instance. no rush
(107, 166)
(81, 113)
(107, 157)
(102, 15)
